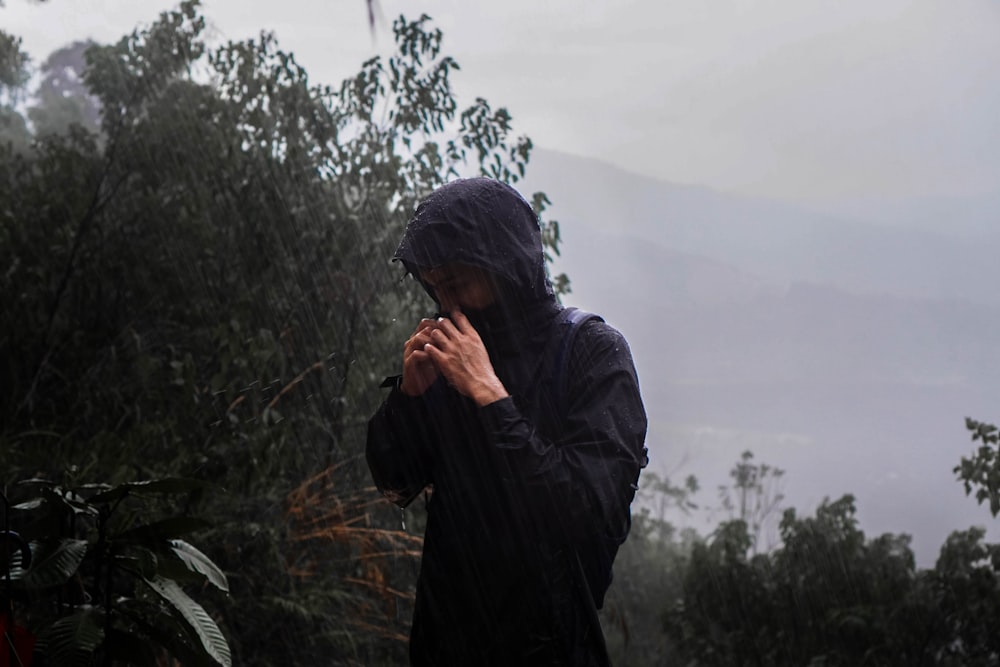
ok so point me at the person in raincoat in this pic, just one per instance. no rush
(532, 451)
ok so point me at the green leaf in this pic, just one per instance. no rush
(155, 622)
(196, 617)
(71, 640)
(28, 505)
(37, 481)
(166, 529)
(199, 562)
(168, 485)
(53, 564)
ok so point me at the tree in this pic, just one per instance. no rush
(14, 62)
(201, 290)
(981, 471)
(62, 98)
(648, 573)
(826, 596)
(13, 67)
(754, 497)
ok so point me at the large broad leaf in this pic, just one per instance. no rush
(199, 562)
(52, 564)
(71, 640)
(168, 485)
(197, 618)
(29, 505)
(151, 534)
(157, 623)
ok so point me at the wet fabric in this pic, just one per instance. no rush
(528, 506)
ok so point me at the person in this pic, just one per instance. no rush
(532, 463)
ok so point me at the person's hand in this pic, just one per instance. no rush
(459, 354)
(419, 371)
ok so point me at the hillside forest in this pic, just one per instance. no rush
(197, 311)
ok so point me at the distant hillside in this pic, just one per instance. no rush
(846, 352)
(975, 217)
(954, 260)
(729, 325)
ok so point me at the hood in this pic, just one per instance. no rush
(487, 224)
(484, 223)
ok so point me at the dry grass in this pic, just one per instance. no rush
(337, 531)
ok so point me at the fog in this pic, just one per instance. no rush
(818, 99)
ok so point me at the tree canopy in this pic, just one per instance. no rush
(200, 287)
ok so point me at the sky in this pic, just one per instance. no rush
(810, 100)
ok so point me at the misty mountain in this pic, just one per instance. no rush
(759, 325)
(954, 258)
(975, 217)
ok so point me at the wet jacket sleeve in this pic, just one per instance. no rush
(399, 448)
(585, 478)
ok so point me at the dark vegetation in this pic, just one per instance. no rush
(196, 312)
(198, 288)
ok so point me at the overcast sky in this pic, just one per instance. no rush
(785, 98)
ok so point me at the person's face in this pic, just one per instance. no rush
(460, 285)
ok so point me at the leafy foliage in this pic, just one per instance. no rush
(647, 573)
(93, 551)
(754, 496)
(199, 289)
(13, 67)
(826, 596)
(981, 471)
(14, 75)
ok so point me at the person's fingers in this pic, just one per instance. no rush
(424, 327)
(447, 326)
(419, 339)
(418, 354)
(441, 337)
(460, 321)
(410, 346)
(434, 354)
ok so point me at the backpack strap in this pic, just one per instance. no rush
(570, 320)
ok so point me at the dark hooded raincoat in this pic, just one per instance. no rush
(531, 493)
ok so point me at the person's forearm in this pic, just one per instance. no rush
(489, 391)
(398, 449)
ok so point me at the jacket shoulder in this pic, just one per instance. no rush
(596, 335)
